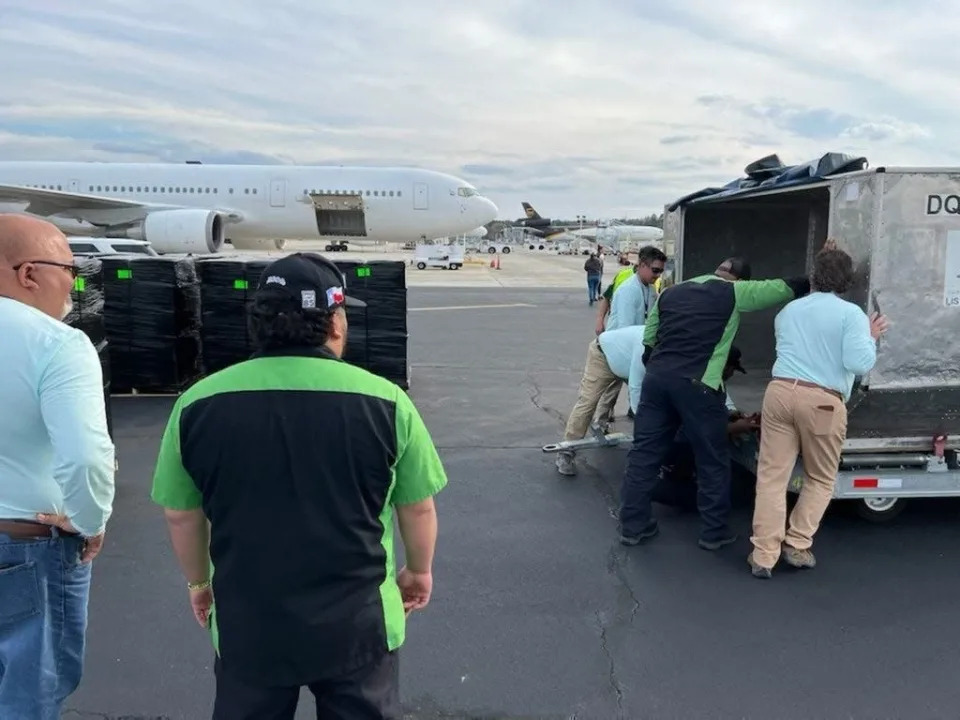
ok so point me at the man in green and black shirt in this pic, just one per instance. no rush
(298, 460)
(688, 336)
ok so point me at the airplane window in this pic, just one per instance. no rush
(114, 188)
(254, 191)
(206, 191)
(391, 193)
(91, 188)
(155, 189)
(162, 189)
(376, 193)
(231, 191)
(191, 191)
(399, 193)
(467, 192)
(368, 193)
(214, 191)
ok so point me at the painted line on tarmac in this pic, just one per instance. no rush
(469, 307)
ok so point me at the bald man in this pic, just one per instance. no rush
(56, 472)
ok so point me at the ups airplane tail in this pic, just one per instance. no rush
(530, 212)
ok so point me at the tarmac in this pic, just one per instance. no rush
(538, 611)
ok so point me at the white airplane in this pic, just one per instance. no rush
(612, 234)
(195, 208)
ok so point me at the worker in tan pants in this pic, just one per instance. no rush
(823, 342)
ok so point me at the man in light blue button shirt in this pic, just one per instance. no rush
(56, 472)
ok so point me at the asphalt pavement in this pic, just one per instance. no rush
(538, 612)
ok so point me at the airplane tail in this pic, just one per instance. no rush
(530, 212)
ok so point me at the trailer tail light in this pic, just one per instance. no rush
(878, 483)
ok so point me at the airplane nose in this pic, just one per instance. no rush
(486, 211)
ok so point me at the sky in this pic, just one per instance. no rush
(610, 108)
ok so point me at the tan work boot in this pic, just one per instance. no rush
(757, 570)
(566, 464)
(798, 558)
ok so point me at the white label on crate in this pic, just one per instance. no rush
(951, 270)
(852, 191)
(889, 483)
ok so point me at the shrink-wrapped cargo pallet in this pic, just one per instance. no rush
(377, 336)
(88, 301)
(153, 322)
(87, 314)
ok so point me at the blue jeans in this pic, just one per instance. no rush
(593, 287)
(666, 403)
(44, 592)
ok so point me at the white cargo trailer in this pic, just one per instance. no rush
(902, 228)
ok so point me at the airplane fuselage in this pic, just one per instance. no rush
(367, 204)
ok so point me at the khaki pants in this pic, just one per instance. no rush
(608, 401)
(596, 380)
(795, 419)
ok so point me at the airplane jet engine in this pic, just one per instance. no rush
(179, 231)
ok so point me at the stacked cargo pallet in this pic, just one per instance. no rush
(88, 315)
(152, 311)
(377, 338)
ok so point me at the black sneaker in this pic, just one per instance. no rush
(717, 544)
(650, 532)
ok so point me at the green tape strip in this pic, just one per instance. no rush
(124, 274)
(80, 284)
(241, 285)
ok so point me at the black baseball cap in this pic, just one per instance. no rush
(309, 280)
(733, 359)
(738, 267)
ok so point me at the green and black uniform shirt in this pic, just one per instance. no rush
(618, 279)
(297, 459)
(692, 325)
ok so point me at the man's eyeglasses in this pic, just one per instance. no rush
(656, 270)
(72, 269)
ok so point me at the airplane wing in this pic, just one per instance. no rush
(91, 208)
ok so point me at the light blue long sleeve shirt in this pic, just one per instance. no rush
(823, 339)
(630, 304)
(623, 349)
(56, 455)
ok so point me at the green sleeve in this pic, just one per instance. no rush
(608, 293)
(173, 488)
(653, 324)
(761, 294)
(419, 472)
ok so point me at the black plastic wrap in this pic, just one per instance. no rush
(227, 285)
(88, 302)
(382, 347)
(153, 322)
(377, 335)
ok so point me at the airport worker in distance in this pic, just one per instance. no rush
(823, 342)
(688, 337)
(628, 308)
(56, 472)
(299, 462)
(594, 269)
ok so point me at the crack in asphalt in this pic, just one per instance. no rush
(612, 676)
(535, 399)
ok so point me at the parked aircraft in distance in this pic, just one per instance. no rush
(537, 225)
(612, 234)
(192, 207)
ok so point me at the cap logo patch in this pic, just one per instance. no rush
(308, 298)
(275, 280)
(334, 296)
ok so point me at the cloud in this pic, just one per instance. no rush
(612, 107)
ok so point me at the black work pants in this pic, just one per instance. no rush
(370, 693)
(666, 403)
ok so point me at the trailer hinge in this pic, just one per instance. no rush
(938, 462)
(939, 445)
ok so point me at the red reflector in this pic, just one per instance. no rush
(865, 482)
